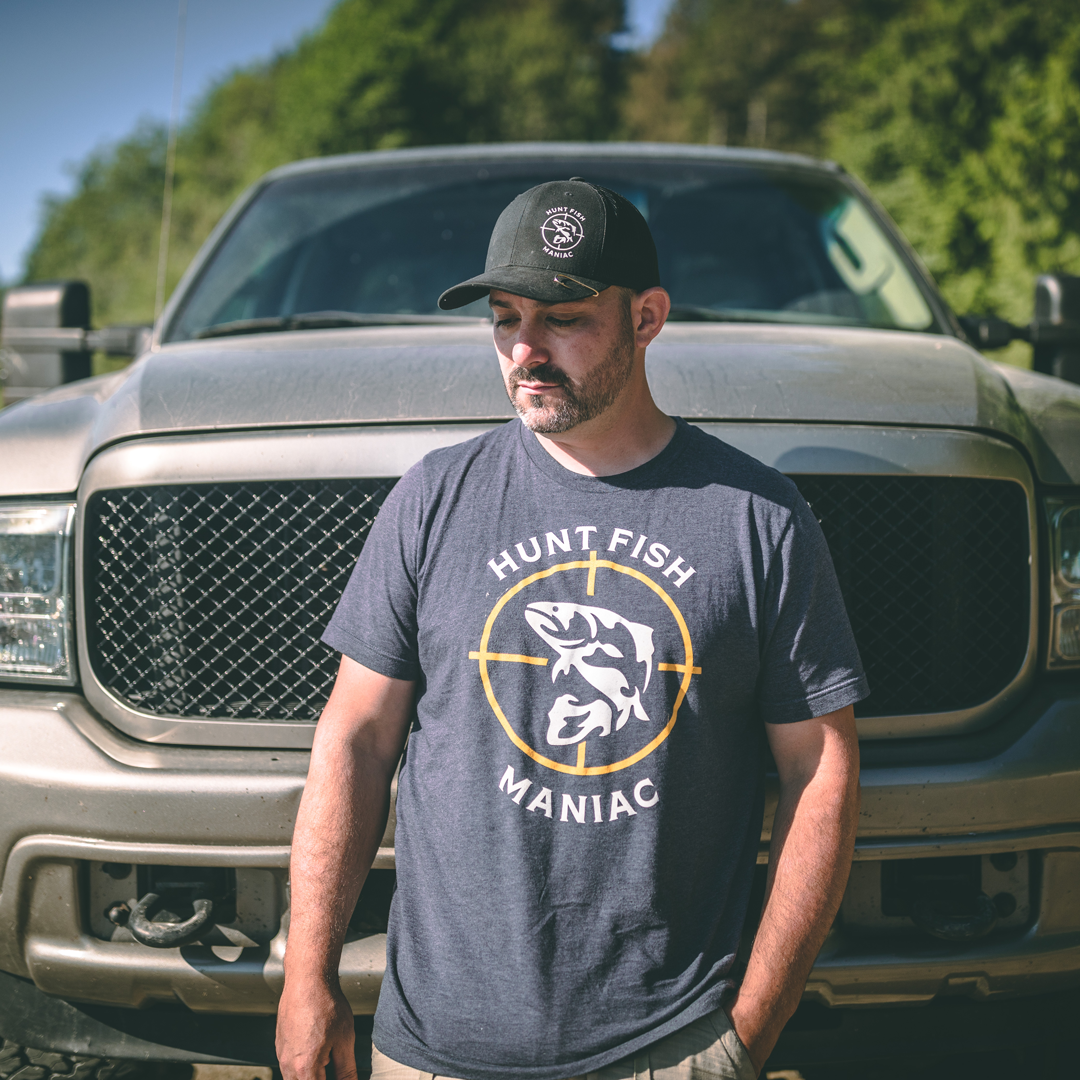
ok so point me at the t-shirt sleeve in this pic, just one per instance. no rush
(375, 620)
(810, 664)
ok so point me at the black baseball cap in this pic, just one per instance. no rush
(565, 240)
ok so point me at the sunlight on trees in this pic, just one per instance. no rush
(376, 75)
(963, 117)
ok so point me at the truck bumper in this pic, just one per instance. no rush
(75, 796)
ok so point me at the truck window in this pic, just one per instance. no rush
(735, 243)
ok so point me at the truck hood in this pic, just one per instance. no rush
(439, 374)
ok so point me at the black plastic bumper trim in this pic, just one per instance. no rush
(30, 1017)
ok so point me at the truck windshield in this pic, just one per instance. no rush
(736, 243)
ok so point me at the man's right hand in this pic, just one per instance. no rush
(314, 1030)
(341, 819)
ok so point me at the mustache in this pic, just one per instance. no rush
(546, 373)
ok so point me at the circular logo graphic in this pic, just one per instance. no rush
(561, 232)
(586, 665)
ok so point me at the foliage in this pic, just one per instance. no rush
(963, 116)
(378, 74)
(749, 72)
(964, 119)
(105, 232)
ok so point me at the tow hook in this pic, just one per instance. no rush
(928, 918)
(170, 932)
(161, 919)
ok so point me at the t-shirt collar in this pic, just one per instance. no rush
(645, 475)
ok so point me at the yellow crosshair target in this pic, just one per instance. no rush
(686, 668)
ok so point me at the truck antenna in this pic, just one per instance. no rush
(170, 162)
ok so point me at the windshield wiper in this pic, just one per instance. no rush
(685, 313)
(331, 320)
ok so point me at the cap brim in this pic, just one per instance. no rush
(534, 283)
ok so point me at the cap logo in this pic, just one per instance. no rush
(562, 232)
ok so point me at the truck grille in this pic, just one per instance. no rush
(936, 579)
(208, 600)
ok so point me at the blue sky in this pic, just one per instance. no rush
(75, 74)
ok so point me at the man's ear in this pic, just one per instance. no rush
(649, 311)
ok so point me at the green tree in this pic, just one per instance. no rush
(964, 118)
(412, 72)
(378, 74)
(749, 72)
(105, 232)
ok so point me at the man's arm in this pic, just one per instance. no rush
(809, 859)
(341, 819)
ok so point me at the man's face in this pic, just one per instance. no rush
(563, 364)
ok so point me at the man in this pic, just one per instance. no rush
(583, 622)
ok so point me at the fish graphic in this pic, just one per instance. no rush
(551, 619)
(564, 230)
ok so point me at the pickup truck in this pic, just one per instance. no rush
(175, 535)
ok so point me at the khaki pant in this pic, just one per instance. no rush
(707, 1049)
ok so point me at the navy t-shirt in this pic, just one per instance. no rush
(580, 801)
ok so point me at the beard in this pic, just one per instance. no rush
(550, 414)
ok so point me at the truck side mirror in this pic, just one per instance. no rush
(1055, 330)
(987, 332)
(43, 340)
(46, 338)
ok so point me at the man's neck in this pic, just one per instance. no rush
(623, 437)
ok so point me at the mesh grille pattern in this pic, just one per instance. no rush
(208, 600)
(934, 572)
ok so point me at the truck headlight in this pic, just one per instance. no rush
(1065, 582)
(36, 613)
